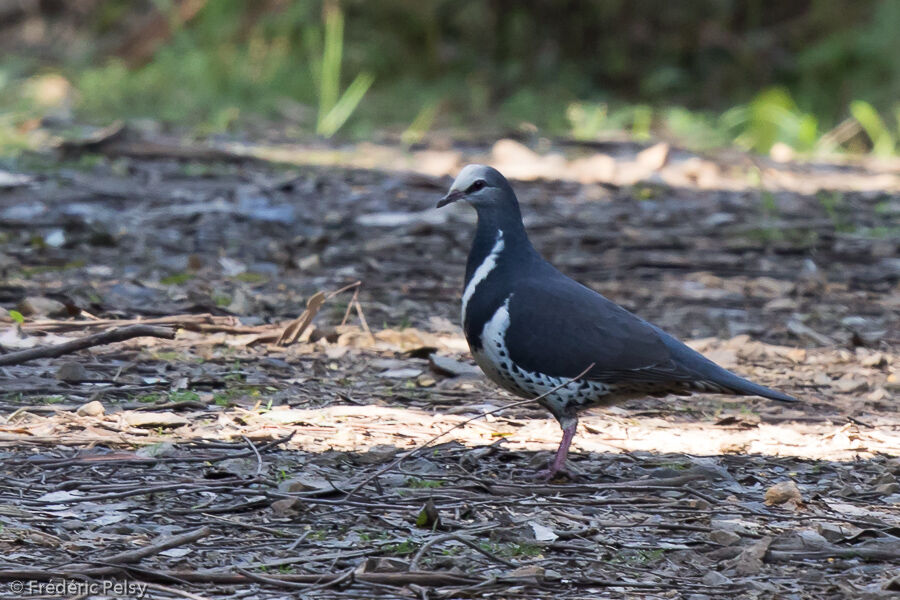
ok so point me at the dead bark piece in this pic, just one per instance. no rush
(98, 339)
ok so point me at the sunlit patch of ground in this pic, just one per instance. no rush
(828, 423)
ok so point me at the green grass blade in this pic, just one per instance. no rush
(332, 54)
(883, 143)
(338, 115)
(421, 124)
(641, 122)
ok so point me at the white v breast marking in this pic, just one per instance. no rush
(481, 273)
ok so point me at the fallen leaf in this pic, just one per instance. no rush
(154, 419)
(542, 533)
(724, 537)
(527, 572)
(296, 327)
(428, 518)
(448, 366)
(306, 483)
(401, 373)
(654, 157)
(750, 560)
(285, 507)
(58, 496)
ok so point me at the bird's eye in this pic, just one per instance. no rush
(476, 186)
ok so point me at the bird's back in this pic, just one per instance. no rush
(556, 327)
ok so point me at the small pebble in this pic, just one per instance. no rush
(92, 409)
(783, 492)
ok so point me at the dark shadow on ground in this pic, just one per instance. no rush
(454, 521)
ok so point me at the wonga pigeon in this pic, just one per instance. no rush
(532, 329)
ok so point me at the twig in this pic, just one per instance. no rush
(56, 462)
(174, 591)
(350, 286)
(97, 339)
(422, 447)
(882, 553)
(299, 540)
(295, 328)
(259, 461)
(426, 578)
(174, 541)
(271, 580)
(345, 576)
(262, 528)
(362, 318)
(458, 538)
(183, 321)
(349, 307)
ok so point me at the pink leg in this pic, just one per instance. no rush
(559, 461)
(563, 452)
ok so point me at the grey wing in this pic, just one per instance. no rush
(558, 327)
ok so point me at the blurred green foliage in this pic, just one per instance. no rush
(709, 72)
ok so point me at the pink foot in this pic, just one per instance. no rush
(548, 475)
(557, 467)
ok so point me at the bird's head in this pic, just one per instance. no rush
(484, 188)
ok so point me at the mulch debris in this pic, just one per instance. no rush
(254, 454)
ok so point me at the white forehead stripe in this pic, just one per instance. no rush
(469, 175)
(481, 273)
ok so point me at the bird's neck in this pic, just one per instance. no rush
(490, 228)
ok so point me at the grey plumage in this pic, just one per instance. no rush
(531, 328)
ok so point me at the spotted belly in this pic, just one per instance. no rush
(493, 358)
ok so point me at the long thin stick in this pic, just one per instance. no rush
(418, 449)
(165, 543)
(98, 339)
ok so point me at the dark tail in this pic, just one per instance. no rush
(739, 385)
(708, 371)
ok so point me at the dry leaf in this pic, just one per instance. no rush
(296, 327)
(154, 419)
(542, 533)
(750, 561)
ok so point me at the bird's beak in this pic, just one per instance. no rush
(451, 197)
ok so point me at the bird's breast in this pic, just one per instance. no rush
(494, 357)
(480, 296)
